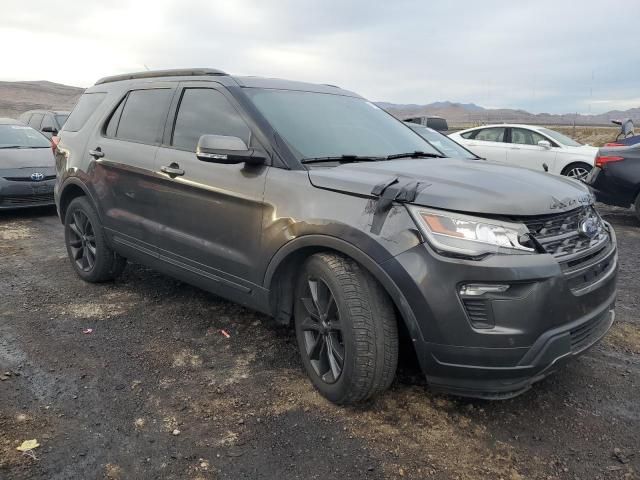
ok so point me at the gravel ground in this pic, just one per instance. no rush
(156, 391)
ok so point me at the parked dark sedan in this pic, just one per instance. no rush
(27, 166)
(615, 180)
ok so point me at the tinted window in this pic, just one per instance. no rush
(12, 136)
(204, 111)
(61, 118)
(523, 136)
(495, 134)
(47, 121)
(112, 126)
(325, 125)
(437, 124)
(36, 120)
(83, 110)
(144, 115)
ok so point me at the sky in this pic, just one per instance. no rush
(557, 56)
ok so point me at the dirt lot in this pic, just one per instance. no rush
(106, 404)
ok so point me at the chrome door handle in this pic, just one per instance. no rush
(96, 153)
(172, 170)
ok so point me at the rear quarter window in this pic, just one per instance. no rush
(83, 110)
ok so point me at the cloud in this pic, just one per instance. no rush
(542, 56)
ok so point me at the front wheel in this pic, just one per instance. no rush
(578, 170)
(346, 329)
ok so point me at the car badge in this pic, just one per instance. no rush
(589, 227)
(37, 177)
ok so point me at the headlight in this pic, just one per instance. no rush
(470, 236)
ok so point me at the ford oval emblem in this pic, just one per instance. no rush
(37, 177)
(589, 227)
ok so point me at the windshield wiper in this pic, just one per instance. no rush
(417, 154)
(11, 146)
(343, 159)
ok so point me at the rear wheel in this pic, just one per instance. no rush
(91, 257)
(577, 170)
(346, 329)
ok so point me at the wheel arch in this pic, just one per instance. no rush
(71, 189)
(284, 265)
(573, 163)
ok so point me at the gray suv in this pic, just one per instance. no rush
(314, 206)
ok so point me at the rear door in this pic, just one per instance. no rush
(211, 213)
(488, 143)
(524, 151)
(124, 177)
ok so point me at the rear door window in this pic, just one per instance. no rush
(83, 110)
(36, 120)
(204, 111)
(143, 115)
(495, 134)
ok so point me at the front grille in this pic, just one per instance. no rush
(587, 333)
(560, 235)
(28, 179)
(479, 312)
(21, 200)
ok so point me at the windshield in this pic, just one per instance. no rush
(443, 143)
(21, 136)
(318, 125)
(61, 119)
(560, 138)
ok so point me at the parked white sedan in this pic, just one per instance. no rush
(530, 147)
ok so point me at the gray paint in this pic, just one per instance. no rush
(242, 232)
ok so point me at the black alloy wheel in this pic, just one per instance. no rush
(322, 331)
(82, 241)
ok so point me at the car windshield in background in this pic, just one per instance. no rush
(318, 125)
(61, 119)
(21, 136)
(560, 138)
(443, 143)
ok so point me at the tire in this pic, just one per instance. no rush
(577, 170)
(92, 259)
(359, 327)
(637, 207)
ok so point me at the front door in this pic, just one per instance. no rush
(524, 151)
(211, 212)
(489, 143)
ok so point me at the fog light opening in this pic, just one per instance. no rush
(478, 289)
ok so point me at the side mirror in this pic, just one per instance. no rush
(53, 130)
(544, 144)
(227, 150)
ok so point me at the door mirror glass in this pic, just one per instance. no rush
(228, 150)
(544, 144)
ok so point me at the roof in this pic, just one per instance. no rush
(55, 112)
(9, 121)
(224, 78)
(176, 72)
(520, 125)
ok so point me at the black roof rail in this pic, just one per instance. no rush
(177, 72)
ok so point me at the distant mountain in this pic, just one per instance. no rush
(470, 113)
(19, 97)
